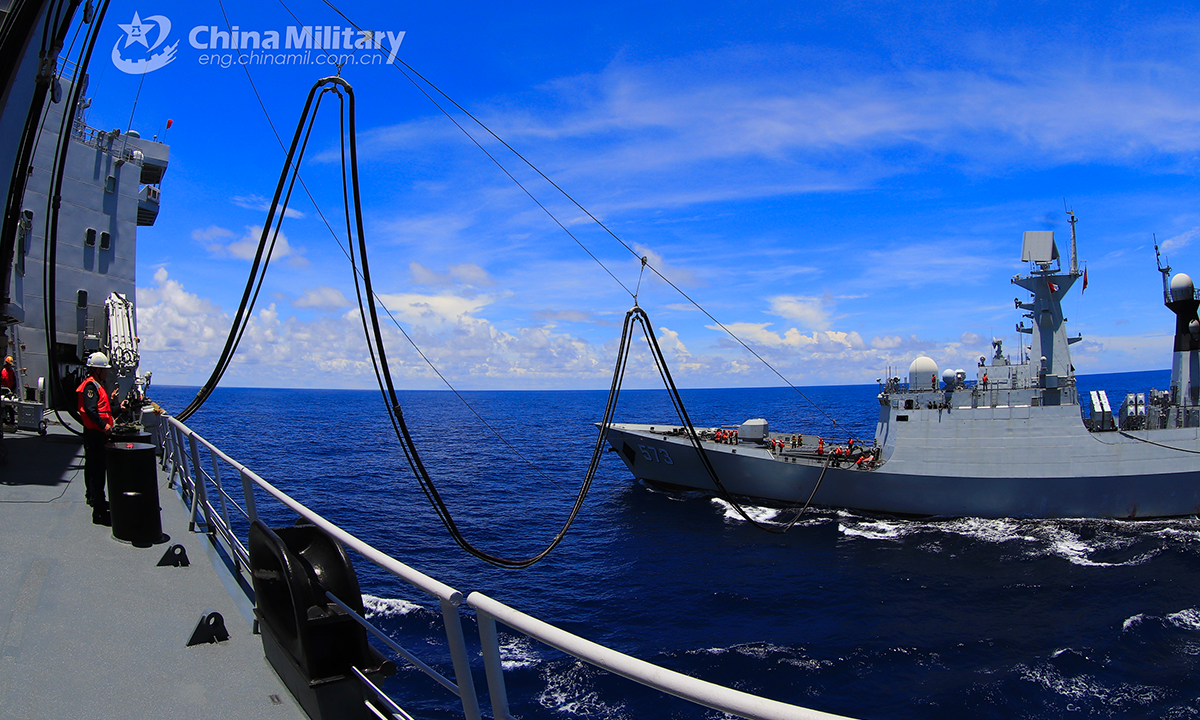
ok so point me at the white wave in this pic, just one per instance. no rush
(1067, 544)
(386, 607)
(1070, 547)
(756, 513)
(517, 651)
(990, 530)
(571, 692)
(805, 663)
(1188, 619)
(1087, 688)
(759, 651)
(1035, 538)
(1132, 622)
(877, 529)
(711, 651)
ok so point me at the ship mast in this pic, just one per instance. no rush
(1165, 270)
(1074, 256)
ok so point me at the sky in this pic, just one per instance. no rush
(844, 186)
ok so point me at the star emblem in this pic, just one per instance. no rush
(135, 31)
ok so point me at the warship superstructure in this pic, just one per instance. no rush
(111, 186)
(1012, 442)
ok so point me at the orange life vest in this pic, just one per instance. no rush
(90, 391)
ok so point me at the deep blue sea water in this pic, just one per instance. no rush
(861, 615)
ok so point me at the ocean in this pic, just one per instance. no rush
(862, 615)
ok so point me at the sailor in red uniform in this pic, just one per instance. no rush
(97, 419)
(8, 381)
(8, 376)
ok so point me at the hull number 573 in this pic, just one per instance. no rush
(656, 454)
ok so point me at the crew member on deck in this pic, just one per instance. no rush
(8, 376)
(8, 382)
(97, 419)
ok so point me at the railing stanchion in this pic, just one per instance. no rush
(220, 490)
(177, 464)
(201, 495)
(462, 665)
(186, 481)
(227, 530)
(490, 642)
(248, 492)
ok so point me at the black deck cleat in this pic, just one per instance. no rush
(175, 556)
(210, 629)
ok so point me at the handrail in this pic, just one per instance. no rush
(414, 577)
(717, 697)
(181, 448)
(216, 523)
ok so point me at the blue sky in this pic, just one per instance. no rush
(845, 186)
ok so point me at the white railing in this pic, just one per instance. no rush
(182, 453)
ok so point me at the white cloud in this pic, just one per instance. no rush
(176, 328)
(182, 335)
(748, 122)
(470, 274)
(322, 296)
(245, 247)
(1180, 241)
(416, 308)
(810, 312)
(212, 232)
(258, 202)
(670, 342)
(466, 274)
(678, 275)
(819, 341)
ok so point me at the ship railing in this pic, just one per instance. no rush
(182, 452)
(701, 692)
(113, 142)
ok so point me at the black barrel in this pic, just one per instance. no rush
(133, 493)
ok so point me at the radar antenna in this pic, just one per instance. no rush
(1074, 256)
(1164, 269)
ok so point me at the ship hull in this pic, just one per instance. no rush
(950, 474)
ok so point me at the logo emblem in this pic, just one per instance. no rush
(137, 61)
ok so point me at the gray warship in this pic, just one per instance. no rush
(1012, 442)
(98, 622)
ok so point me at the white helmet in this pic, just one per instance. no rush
(98, 360)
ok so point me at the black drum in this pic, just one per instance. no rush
(133, 492)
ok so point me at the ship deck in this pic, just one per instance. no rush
(92, 627)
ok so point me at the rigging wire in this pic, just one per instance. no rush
(261, 261)
(337, 240)
(53, 203)
(660, 362)
(833, 421)
(376, 348)
(374, 338)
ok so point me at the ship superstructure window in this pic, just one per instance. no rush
(81, 299)
(105, 241)
(89, 237)
(110, 184)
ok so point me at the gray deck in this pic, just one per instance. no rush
(91, 627)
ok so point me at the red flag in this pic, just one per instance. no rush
(169, 121)
(1084, 281)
